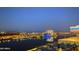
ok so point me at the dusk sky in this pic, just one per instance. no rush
(29, 19)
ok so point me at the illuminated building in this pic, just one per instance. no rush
(50, 31)
(2, 32)
(48, 36)
(74, 29)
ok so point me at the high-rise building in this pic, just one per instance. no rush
(74, 29)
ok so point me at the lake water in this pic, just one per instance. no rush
(22, 45)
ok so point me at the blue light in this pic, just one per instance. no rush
(46, 36)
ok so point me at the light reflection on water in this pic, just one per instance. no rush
(22, 45)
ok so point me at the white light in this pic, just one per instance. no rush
(77, 26)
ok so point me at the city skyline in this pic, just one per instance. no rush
(35, 19)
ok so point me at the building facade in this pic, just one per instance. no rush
(74, 29)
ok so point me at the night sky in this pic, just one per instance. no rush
(28, 19)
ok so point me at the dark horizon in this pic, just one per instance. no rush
(37, 19)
